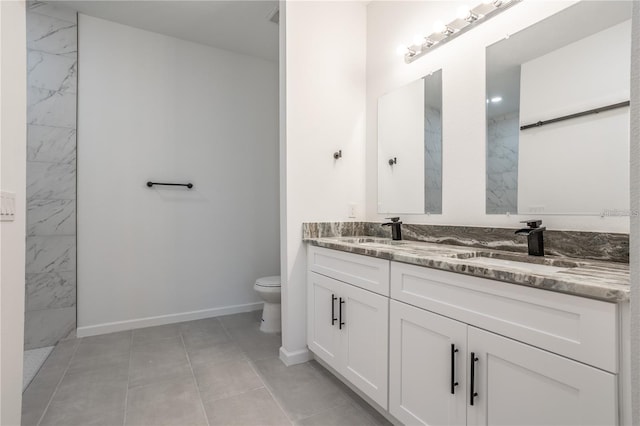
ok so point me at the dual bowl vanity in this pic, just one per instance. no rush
(443, 334)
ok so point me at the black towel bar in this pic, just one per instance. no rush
(576, 115)
(188, 185)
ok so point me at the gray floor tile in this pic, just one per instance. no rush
(301, 389)
(90, 385)
(158, 361)
(256, 407)
(243, 320)
(378, 418)
(175, 403)
(117, 364)
(215, 353)
(203, 334)
(61, 355)
(168, 345)
(36, 397)
(152, 333)
(108, 345)
(153, 366)
(83, 414)
(217, 381)
(257, 345)
(343, 415)
(87, 399)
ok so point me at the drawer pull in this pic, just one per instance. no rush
(333, 309)
(341, 323)
(453, 369)
(473, 392)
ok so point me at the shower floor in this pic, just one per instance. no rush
(33, 360)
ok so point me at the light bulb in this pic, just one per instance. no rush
(464, 13)
(401, 50)
(439, 27)
(418, 40)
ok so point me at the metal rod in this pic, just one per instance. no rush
(472, 387)
(453, 369)
(188, 185)
(333, 309)
(576, 115)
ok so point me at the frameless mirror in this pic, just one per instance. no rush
(558, 116)
(410, 148)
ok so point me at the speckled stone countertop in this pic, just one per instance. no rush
(608, 281)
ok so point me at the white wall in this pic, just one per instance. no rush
(634, 247)
(390, 23)
(325, 111)
(589, 73)
(153, 107)
(13, 139)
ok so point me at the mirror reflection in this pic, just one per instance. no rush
(410, 148)
(558, 115)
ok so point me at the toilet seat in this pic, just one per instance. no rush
(273, 281)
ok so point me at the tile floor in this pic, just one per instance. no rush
(217, 371)
(32, 360)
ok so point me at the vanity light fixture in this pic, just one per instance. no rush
(467, 18)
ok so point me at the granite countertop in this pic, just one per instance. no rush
(608, 281)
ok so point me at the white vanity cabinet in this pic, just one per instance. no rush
(438, 348)
(500, 380)
(427, 368)
(347, 326)
(433, 359)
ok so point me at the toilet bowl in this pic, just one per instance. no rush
(269, 290)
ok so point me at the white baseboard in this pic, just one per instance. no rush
(295, 357)
(111, 327)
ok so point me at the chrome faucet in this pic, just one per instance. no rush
(396, 227)
(535, 240)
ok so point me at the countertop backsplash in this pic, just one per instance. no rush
(609, 247)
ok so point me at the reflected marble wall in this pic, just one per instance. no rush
(433, 161)
(502, 164)
(50, 311)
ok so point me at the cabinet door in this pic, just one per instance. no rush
(421, 370)
(323, 335)
(518, 384)
(365, 340)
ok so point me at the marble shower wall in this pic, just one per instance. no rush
(433, 160)
(502, 164)
(50, 312)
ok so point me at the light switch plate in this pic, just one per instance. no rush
(7, 206)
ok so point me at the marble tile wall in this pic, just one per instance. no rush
(433, 161)
(502, 164)
(50, 311)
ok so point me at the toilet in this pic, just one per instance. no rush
(269, 290)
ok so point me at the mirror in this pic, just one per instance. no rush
(558, 115)
(410, 148)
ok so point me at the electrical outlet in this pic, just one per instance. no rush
(7, 206)
(352, 210)
(536, 209)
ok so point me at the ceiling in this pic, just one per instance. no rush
(237, 25)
